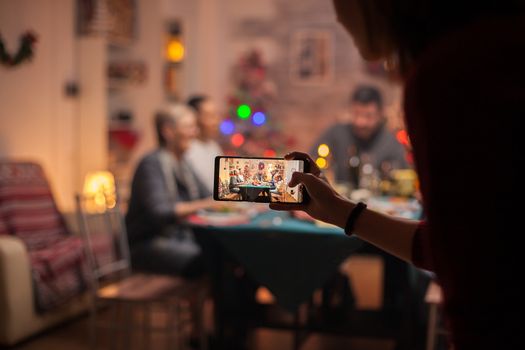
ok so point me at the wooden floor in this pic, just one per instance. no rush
(74, 336)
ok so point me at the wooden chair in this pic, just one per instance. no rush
(116, 287)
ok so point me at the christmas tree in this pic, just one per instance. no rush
(251, 128)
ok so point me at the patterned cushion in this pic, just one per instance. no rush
(27, 205)
(59, 271)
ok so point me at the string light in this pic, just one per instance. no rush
(227, 127)
(323, 150)
(244, 111)
(237, 140)
(321, 163)
(259, 118)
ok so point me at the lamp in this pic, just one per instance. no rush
(175, 50)
(99, 191)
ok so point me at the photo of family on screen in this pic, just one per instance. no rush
(258, 180)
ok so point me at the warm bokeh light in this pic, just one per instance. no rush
(269, 153)
(244, 111)
(402, 137)
(237, 140)
(321, 163)
(99, 191)
(323, 150)
(259, 118)
(227, 127)
(175, 50)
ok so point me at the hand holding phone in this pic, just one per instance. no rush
(257, 180)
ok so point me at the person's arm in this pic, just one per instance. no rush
(183, 209)
(150, 190)
(391, 234)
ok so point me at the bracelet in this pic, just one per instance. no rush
(353, 216)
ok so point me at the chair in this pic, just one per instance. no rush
(42, 279)
(116, 287)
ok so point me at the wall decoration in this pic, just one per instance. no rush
(115, 19)
(312, 57)
(25, 50)
(126, 73)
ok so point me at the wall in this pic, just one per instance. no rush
(37, 120)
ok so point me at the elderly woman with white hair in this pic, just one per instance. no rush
(165, 189)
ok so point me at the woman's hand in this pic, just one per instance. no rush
(325, 203)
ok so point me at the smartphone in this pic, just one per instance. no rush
(263, 180)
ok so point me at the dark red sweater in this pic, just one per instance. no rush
(463, 100)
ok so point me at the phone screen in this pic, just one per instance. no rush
(257, 180)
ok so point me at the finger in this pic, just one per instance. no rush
(314, 169)
(301, 178)
(297, 155)
(286, 206)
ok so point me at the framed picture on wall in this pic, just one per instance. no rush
(115, 19)
(312, 58)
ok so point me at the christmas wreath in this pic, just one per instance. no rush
(25, 51)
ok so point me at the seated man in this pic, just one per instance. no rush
(164, 191)
(364, 138)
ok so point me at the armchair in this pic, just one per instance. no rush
(42, 269)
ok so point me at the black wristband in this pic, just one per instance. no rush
(353, 216)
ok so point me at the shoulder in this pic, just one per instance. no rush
(337, 132)
(388, 137)
(149, 162)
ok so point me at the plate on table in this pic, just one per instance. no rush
(219, 218)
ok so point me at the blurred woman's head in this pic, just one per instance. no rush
(176, 127)
(208, 118)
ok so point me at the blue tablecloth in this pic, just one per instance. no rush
(290, 257)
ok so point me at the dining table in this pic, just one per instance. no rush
(289, 256)
(252, 192)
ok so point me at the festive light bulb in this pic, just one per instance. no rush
(269, 153)
(227, 127)
(321, 163)
(237, 140)
(244, 111)
(259, 118)
(175, 50)
(323, 150)
(402, 137)
(99, 190)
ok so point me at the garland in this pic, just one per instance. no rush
(25, 51)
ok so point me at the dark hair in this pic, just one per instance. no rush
(366, 94)
(416, 24)
(161, 119)
(195, 102)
